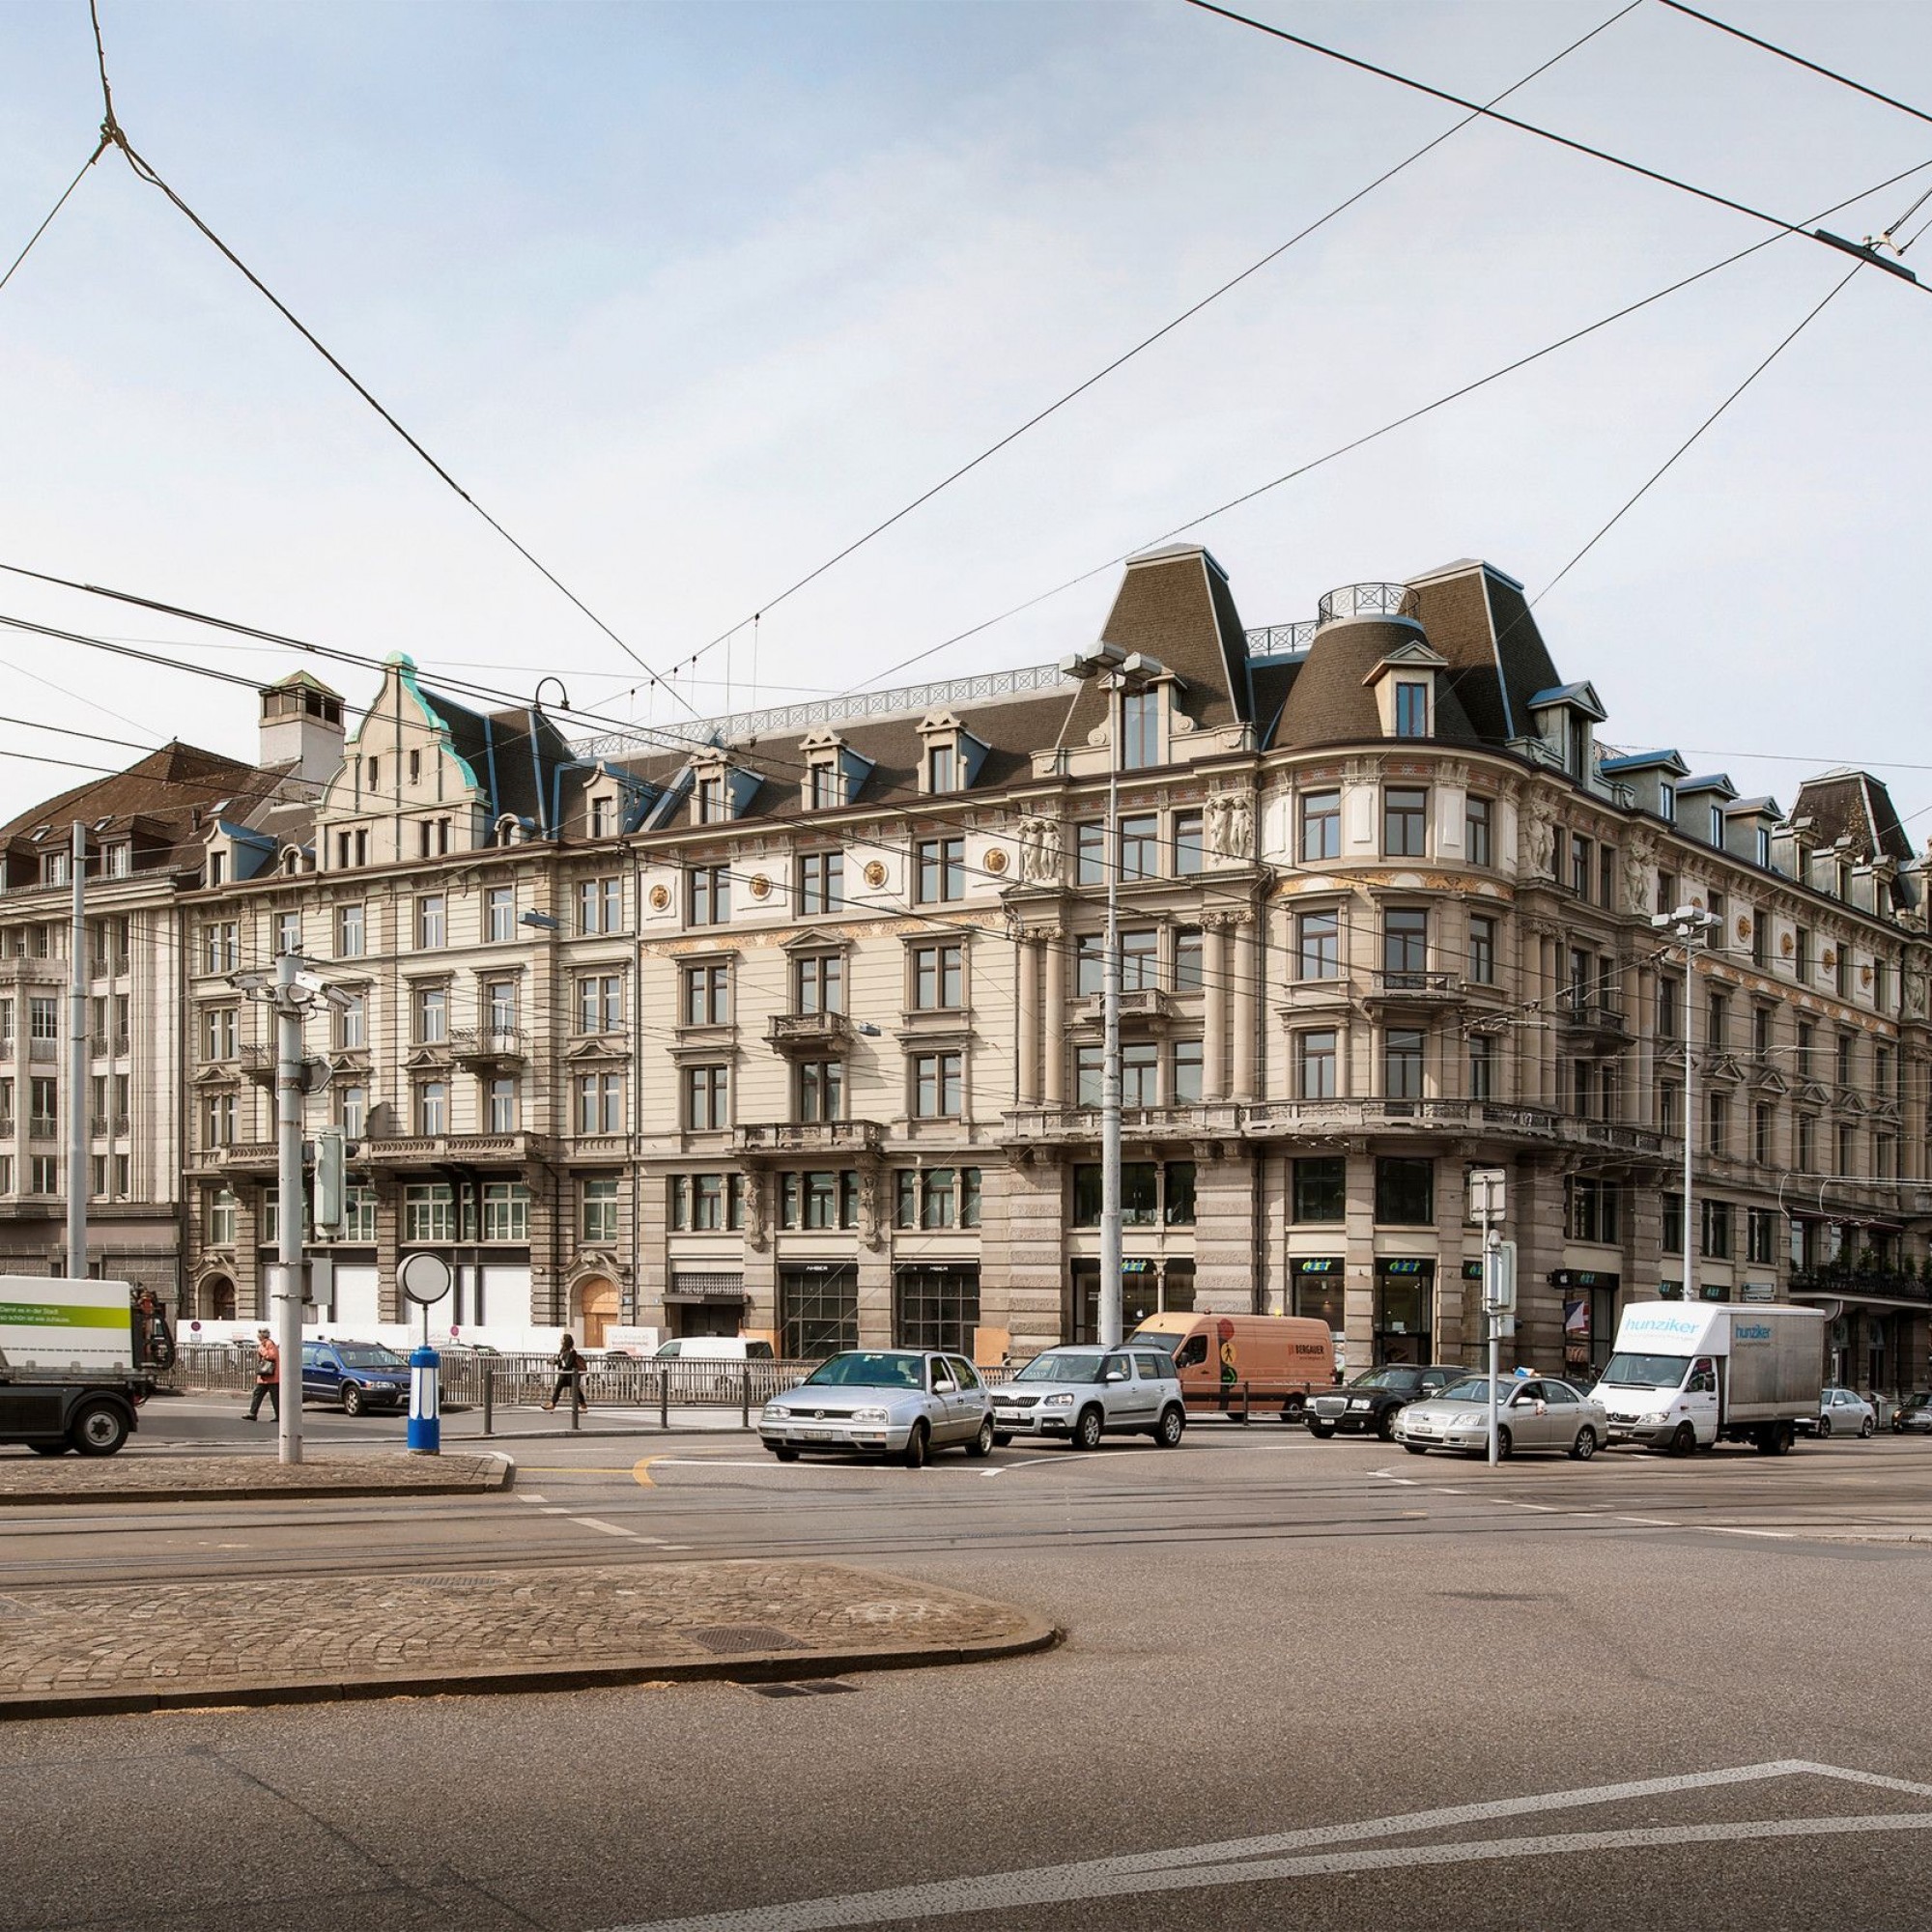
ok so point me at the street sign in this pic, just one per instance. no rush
(425, 1278)
(1500, 1288)
(1487, 1185)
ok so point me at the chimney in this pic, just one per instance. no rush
(301, 727)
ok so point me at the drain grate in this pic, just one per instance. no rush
(816, 1687)
(730, 1639)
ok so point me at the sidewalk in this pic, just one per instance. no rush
(161, 1475)
(167, 1646)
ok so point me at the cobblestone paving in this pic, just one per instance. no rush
(127, 1645)
(129, 1477)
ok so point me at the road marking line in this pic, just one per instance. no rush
(640, 1472)
(529, 1497)
(1776, 1535)
(1031, 1462)
(1548, 1509)
(1201, 1865)
(557, 1509)
(1649, 1522)
(611, 1528)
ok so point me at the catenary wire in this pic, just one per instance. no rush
(1543, 134)
(1147, 342)
(113, 133)
(53, 212)
(1798, 59)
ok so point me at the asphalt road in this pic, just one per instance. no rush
(1645, 1692)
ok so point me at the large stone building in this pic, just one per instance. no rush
(792, 1023)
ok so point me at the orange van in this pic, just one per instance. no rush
(1231, 1362)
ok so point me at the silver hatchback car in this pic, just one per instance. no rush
(882, 1402)
(1081, 1394)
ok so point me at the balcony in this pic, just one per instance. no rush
(101, 1126)
(45, 1050)
(246, 1157)
(808, 1137)
(809, 1035)
(258, 1062)
(43, 1128)
(1143, 1007)
(1415, 989)
(1851, 1284)
(488, 1046)
(1365, 599)
(1599, 1014)
(420, 1152)
(1082, 1125)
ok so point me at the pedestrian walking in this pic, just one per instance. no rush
(267, 1375)
(569, 1374)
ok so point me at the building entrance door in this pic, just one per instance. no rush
(1404, 1301)
(596, 1310)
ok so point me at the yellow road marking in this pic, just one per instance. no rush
(640, 1472)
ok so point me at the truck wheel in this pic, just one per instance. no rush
(97, 1429)
(1765, 1439)
(1293, 1408)
(1685, 1441)
(1787, 1436)
(1087, 1429)
(352, 1399)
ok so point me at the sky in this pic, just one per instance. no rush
(690, 297)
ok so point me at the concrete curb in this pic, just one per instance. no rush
(765, 1667)
(477, 1483)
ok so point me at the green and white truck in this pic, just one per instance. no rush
(68, 1379)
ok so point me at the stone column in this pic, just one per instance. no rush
(1225, 1261)
(1244, 969)
(1021, 1207)
(1053, 1087)
(1214, 1010)
(1025, 956)
(1452, 1320)
(1359, 1265)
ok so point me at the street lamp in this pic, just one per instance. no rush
(1685, 926)
(1116, 672)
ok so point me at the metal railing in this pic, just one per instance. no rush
(1276, 641)
(1407, 981)
(1365, 599)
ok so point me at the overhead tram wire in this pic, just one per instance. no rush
(1374, 435)
(1799, 60)
(113, 133)
(1147, 342)
(1567, 141)
(99, 150)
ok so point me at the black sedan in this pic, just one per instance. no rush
(1368, 1404)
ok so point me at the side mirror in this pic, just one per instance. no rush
(1115, 1376)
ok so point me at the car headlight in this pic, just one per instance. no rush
(871, 1416)
(776, 1411)
(1058, 1402)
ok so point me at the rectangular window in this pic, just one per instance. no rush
(1089, 854)
(1412, 709)
(1717, 1219)
(938, 1085)
(1321, 826)
(222, 1216)
(288, 934)
(1803, 1056)
(499, 914)
(1669, 1008)
(1801, 956)
(706, 1098)
(506, 1210)
(1089, 965)
(939, 976)
(942, 870)
(432, 1108)
(503, 1104)
(43, 1020)
(818, 983)
(1579, 867)
(1762, 1117)
(707, 997)
(821, 884)
(1139, 1075)
(1318, 944)
(818, 1310)
(358, 1221)
(938, 1206)
(1088, 1075)
(1482, 950)
(43, 1172)
(1314, 1065)
(1807, 1144)
(351, 931)
(942, 768)
(1187, 844)
(431, 1014)
(1321, 1188)
(1719, 1120)
(821, 1087)
(1666, 887)
(1139, 960)
(429, 1212)
(1404, 1191)
(1607, 877)
(432, 921)
(1482, 1067)
(827, 784)
(352, 1110)
(1401, 1063)
(220, 949)
(708, 895)
(218, 1032)
(603, 817)
(1140, 847)
(1140, 728)
(1183, 1087)
(500, 1005)
(1187, 960)
(1404, 822)
(217, 1119)
(598, 1210)
(1717, 1021)
(935, 1306)
(1405, 947)
(1477, 821)
(352, 1023)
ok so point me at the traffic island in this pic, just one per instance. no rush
(119, 1648)
(159, 1476)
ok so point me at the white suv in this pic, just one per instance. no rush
(1080, 1394)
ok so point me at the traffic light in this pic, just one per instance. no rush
(332, 1183)
(1500, 1279)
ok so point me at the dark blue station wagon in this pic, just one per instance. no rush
(357, 1374)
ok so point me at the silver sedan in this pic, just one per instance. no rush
(1532, 1412)
(883, 1402)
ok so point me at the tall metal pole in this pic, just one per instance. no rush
(288, 1292)
(77, 1177)
(1691, 1229)
(1492, 1258)
(1110, 1042)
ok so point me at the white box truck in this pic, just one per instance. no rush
(68, 1379)
(1688, 1374)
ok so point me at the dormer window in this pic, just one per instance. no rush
(721, 792)
(1412, 709)
(603, 817)
(55, 868)
(1764, 847)
(119, 860)
(1666, 802)
(835, 774)
(217, 867)
(1404, 684)
(374, 768)
(707, 802)
(1140, 728)
(1716, 825)
(828, 785)
(942, 768)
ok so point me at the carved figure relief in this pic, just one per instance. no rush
(1231, 826)
(1636, 874)
(754, 1210)
(871, 1228)
(1914, 988)
(1039, 851)
(1539, 840)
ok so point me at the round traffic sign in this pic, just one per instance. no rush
(424, 1278)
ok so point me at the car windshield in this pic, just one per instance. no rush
(871, 1369)
(368, 1355)
(1655, 1372)
(1080, 1368)
(1471, 1388)
(1156, 1338)
(1388, 1379)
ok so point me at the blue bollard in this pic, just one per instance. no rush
(425, 1421)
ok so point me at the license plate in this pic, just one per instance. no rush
(819, 1436)
(1008, 1415)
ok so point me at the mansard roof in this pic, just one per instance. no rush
(1850, 804)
